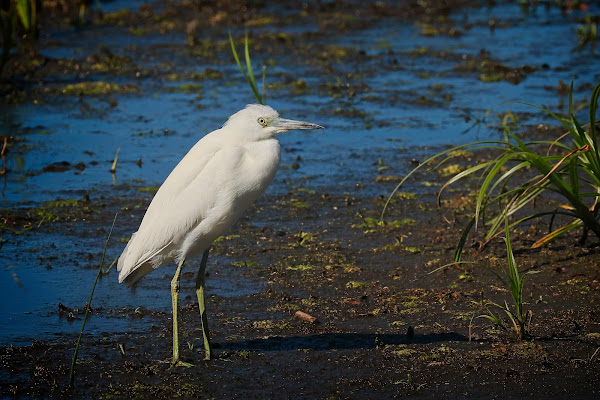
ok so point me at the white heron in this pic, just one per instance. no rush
(203, 197)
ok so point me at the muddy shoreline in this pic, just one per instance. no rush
(393, 84)
(367, 297)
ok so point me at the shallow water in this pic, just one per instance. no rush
(157, 127)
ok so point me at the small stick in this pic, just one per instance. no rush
(3, 171)
(4, 145)
(306, 317)
(113, 169)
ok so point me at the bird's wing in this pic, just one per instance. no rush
(183, 200)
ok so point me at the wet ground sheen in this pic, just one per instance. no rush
(393, 84)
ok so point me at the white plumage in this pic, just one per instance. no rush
(207, 192)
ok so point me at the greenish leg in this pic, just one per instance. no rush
(200, 294)
(175, 299)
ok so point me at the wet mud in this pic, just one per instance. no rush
(387, 321)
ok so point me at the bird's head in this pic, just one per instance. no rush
(258, 122)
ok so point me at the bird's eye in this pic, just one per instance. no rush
(262, 121)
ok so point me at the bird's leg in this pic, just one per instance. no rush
(175, 298)
(200, 294)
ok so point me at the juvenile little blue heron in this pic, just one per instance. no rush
(203, 197)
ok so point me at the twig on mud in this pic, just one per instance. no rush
(3, 171)
(306, 317)
(88, 306)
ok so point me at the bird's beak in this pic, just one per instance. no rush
(283, 125)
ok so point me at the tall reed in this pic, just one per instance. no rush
(89, 305)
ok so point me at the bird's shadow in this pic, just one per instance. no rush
(338, 341)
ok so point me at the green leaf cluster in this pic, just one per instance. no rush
(523, 170)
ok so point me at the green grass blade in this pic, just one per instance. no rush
(512, 272)
(571, 98)
(496, 223)
(89, 305)
(495, 320)
(557, 232)
(248, 75)
(581, 209)
(498, 164)
(251, 79)
(264, 84)
(24, 13)
(541, 164)
(504, 177)
(593, 106)
(236, 57)
(512, 318)
(559, 119)
(591, 177)
(463, 239)
(593, 134)
(574, 176)
(451, 265)
(461, 175)
(476, 146)
(586, 141)
(499, 276)
(516, 282)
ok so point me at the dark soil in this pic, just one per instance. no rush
(386, 326)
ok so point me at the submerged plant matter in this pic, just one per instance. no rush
(568, 166)
(587, 33)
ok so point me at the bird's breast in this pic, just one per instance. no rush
(258, 166)
(250, 170)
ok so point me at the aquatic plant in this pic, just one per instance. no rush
(568, 166)
(27, 10)
(88, 305)
(587, 33)
(248, 72)
(23, 11)
(513, 281)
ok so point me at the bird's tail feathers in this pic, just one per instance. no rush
(123, 258)
(136, 273)
(132, 266)
(129, 271)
